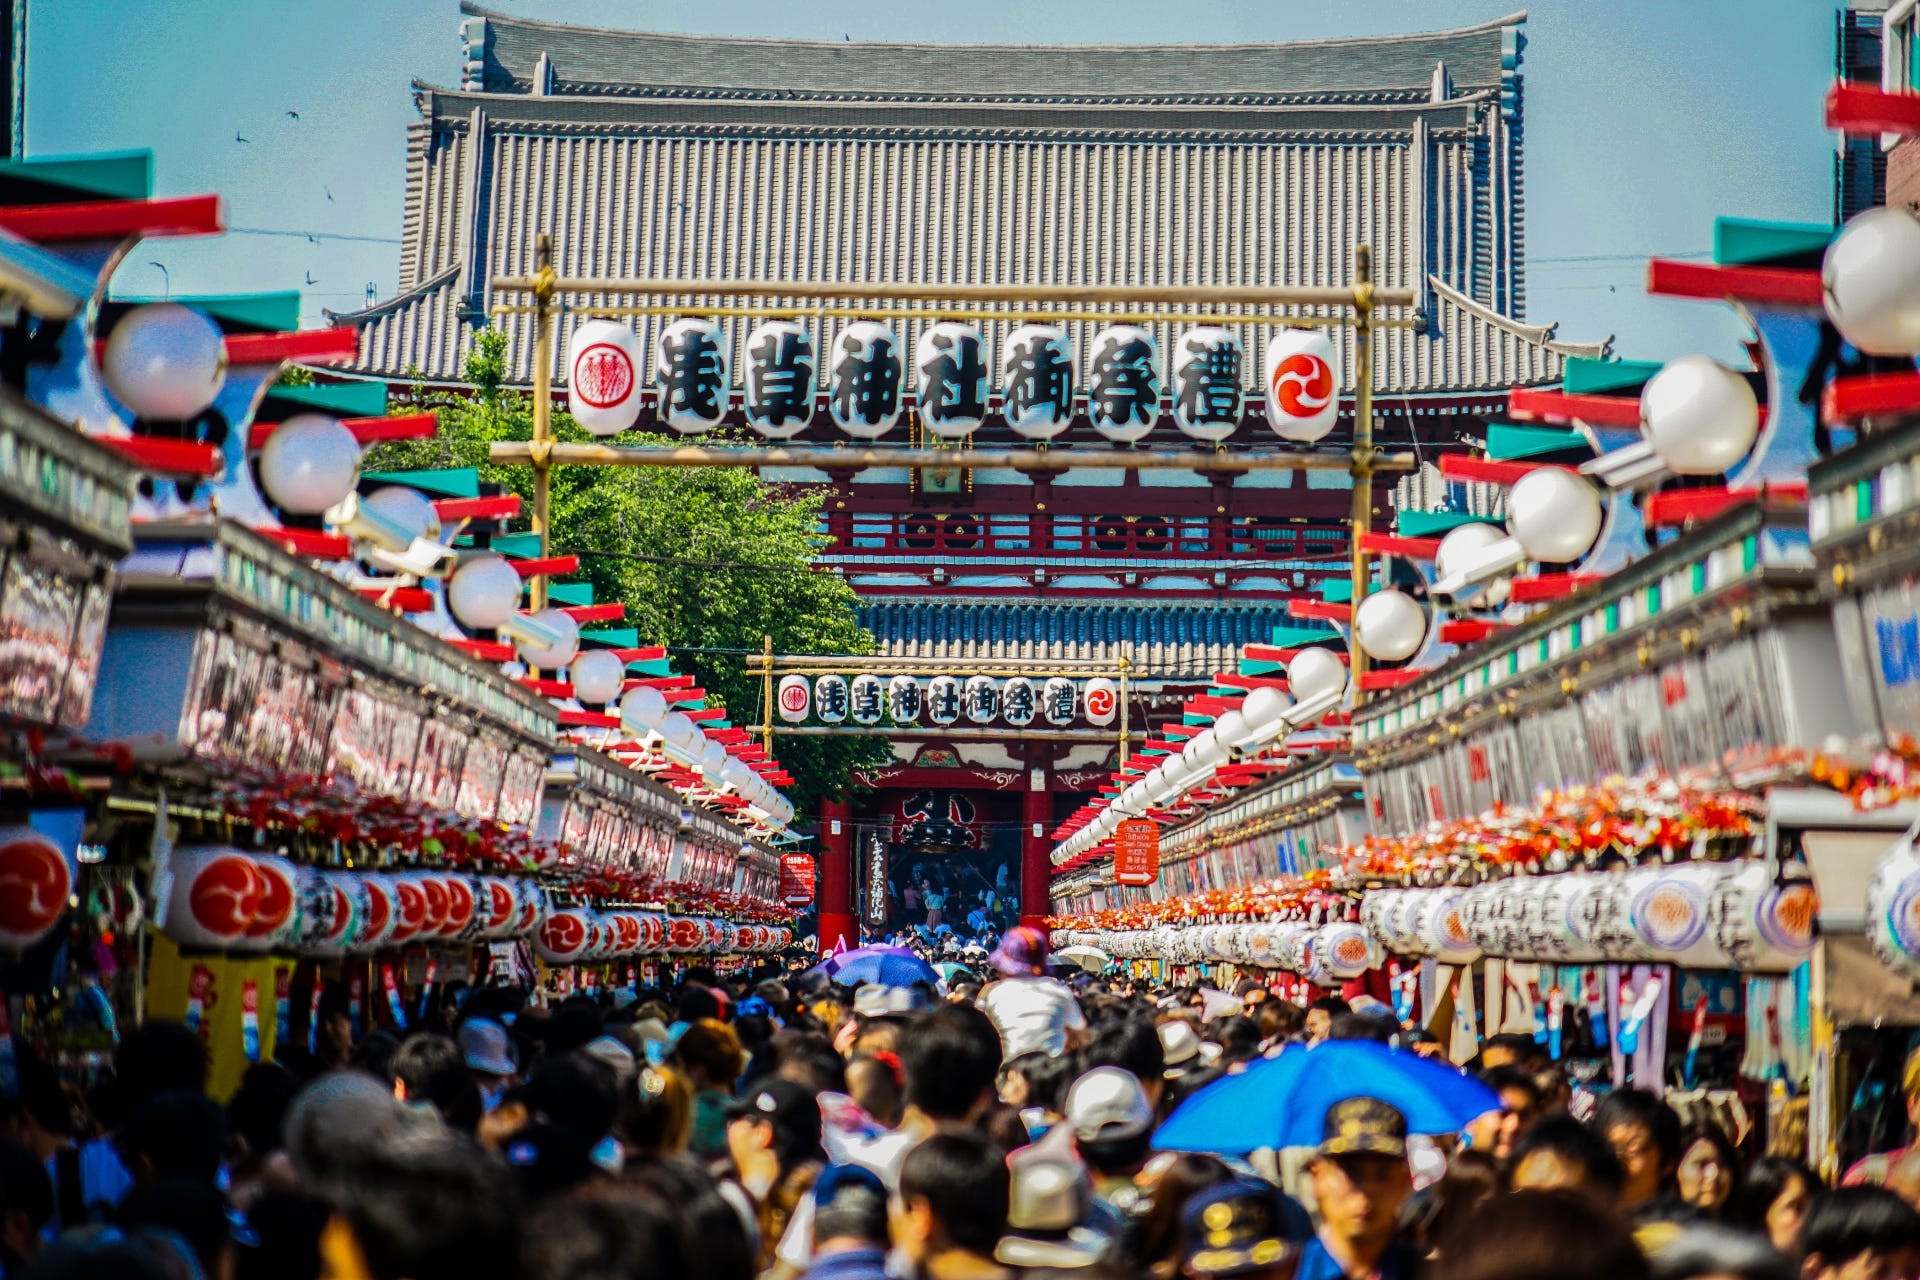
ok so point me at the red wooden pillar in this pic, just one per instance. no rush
(1036, 870)
(837, 924)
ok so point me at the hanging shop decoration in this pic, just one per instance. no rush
(943, 700)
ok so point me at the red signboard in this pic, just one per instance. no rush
(796, 879)
(1136, 851)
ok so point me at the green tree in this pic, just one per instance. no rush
(707, 561)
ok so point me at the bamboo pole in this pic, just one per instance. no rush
(539, 449)
(898, 291)
(855, 458)
(1364, 465)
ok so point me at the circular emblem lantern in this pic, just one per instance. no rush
(463, 908)
(1439, 928)
(779, 378)
(603, 377)
(1601, 912)
(943, 700)
(1123, 383)
(1018, 702)
(1759, 925)
(866, 700)
(316, 903)
(1100, 701)
(1669, 910)
(1207, 395)
(690, 368)
(1037, 381)
(439, 902)
(1893, 908)
(653, 931)
(627, 933)
(1871, 279)
(565, 936)
(273, 918)
(213, 895)
(863, 396)
(501, 907)
(409, 909)
(684, 935)
(1303, 393)
(35, 881)
(1345, 950)
(1390, 625)
(795, 696)
(342, 926)
(382, 901)
(951, 361)
(830, 699)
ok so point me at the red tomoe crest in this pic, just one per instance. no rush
(410, 905)
(1302, 385)
(627, 927)
(602, 375)
(438, 902)
(343, 913)
(34, 883)
(459, 904)
(500, 904)
(380, 897)
(1099, 703)
(563, 933)
(276, 900)
(225, 896)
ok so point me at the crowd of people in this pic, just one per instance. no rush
(778, 1125)
(949, 897)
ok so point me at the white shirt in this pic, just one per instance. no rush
(1033, 1014)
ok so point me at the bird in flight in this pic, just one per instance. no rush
(238, 138)
(293, 115)
(329, 191)
(310, 279)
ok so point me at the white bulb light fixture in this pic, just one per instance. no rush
(1700, 416)
(1314, 672)
(1554, 514)
(484, 592)
(165, 362)
(1390, 625)
(1472, 562)
(549, 643)
(597, 676)
(309, 463)
(1871, 281)
(641, 712)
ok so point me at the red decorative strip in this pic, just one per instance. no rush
(1856, 109)
(1878, 395)
(1550, 586)
(416, 426)
(1458, 466)
(1468, 630)
(1226, 681)
(701, 717)
(1387, 544)
(1677, 506)
(1271, 653)
(1788, 286)
(646, 653)
(548, 688)
(1329, 610)
(400, 599)
(311, 543)
(1202, 705)
(595, 612)
(588, 719)
(1541, 404)
(550, 565)
(503, 507)
(160, 456)
(339, 343)
(115, 219)
(659, 682)
(1389, 677)
(485, 650)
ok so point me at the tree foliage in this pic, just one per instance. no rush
(708, 561)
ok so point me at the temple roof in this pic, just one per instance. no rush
(597, 60)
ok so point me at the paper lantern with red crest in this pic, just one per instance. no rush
(342, 910)
(628, 932)
(409, 909)
(434, 886)
(384, 912)
(315, 907)
(684, 935)
(566, 936)
(273, 915)
(531, 908)
(208, 897)
(463, 899)
(653, 935)
(719, 935)
(497, 907)
(35, 881)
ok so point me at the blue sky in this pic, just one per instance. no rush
(1644, 119)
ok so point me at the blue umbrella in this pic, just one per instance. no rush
(888, 966)
(1283, 1101)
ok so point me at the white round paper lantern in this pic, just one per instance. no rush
(484, 592)
(1037, 381)
(1316, 671)
(865, 368)
(1761, 925)
(208, 897)
(165, 362)
(1440, 928)
(1390, 625)
(779, 378)
(1345, 950)
(642, 710)
(603, 377)
(1553, 514)
(1893, 908)
(404, 507)
(1207, 395)
(1123, 383)
(1700, 416)
(554, 656)
(565, 937)
(1229, 728)
(1462, 545)
(36, 881)
(1303, 390)
(597, 676)
(690, 368)
(1871, 279)
(1601, 911)
(309, 463)
(951, 361)
(274, 915)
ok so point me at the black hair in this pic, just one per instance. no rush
(1362, 1026)
(1524, 1047)
(25, 1187)
(697, 1003)
(192, 1209)
(1846, 1222)
(1716, 1137)
(1765, 1183)
(1049, 1078)
(156, 1056)
(1332, 1005)
(1131, 1044)
(434, 1069)
(951, 1056)
(1572, 1143)
(710, 1229)
(1644, 1109)
(282, 1240)
(575, 1092)
(430, 1205)
(179, 1133)
(1511, 1077)
(854, 1213)
(257, 1111)
(1703, 1249)
(628, 1236)
(963, 1178)
(1238, 1037)
(1116, 1156)
(1530, 1234)
(97, 1254)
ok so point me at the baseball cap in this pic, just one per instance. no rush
(1108, 1103)
(836, 1179)
(1022, 950)
(487, 1047)
(781, 1103)
(1048, 1202)
(872, 1000)
(1364, 1126)
(1240, 1225)
(1179, 1044)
